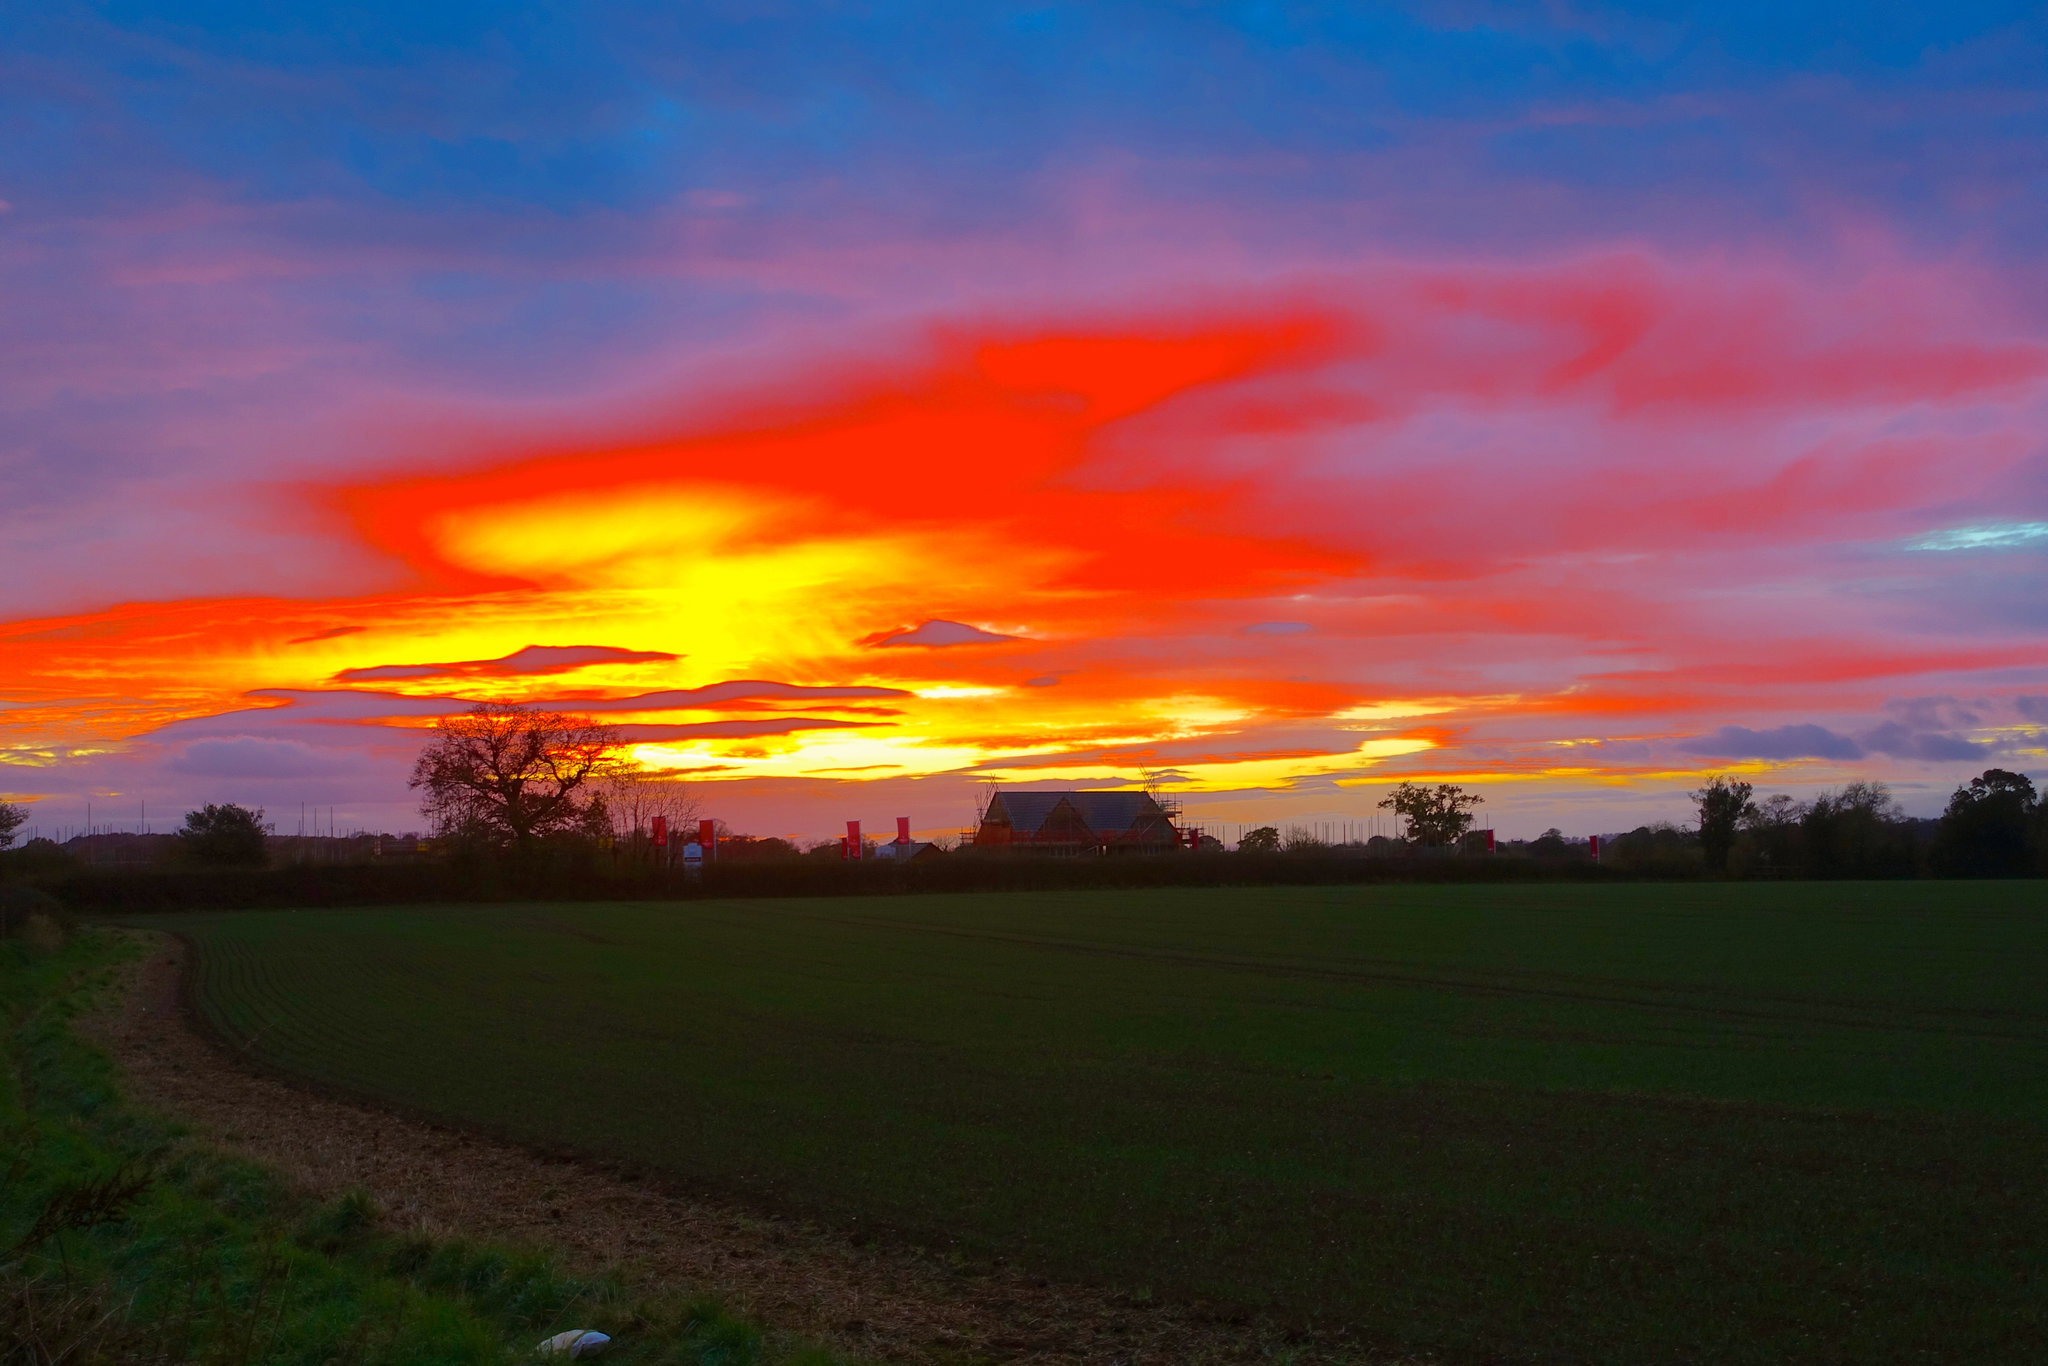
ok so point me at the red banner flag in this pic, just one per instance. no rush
(707, 835)
(903, 829)
(1594, 841)
(853, 839)
(1489, 841)
(660, 831)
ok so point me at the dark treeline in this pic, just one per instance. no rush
(1995, 826)
(568, 876)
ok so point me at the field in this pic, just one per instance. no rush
(125, 1243)
(1749, 1123)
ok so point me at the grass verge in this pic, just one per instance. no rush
(119, 1242)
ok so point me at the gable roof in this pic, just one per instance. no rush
(914, 849)
(1026, 811)
(1104, 813)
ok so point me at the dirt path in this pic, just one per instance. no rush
(879, 1302)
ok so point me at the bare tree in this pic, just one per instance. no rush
(512, 775)
(1302, 840)
(635, 796)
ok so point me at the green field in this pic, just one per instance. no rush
(1744, 1123)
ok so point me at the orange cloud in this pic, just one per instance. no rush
(788, 548)
(1247, 548)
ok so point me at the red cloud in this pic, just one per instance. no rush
(1599, 490)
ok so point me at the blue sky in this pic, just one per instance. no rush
(257, 251)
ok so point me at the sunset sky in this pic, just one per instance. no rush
(858, 404)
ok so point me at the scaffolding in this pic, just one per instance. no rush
(1078, 823)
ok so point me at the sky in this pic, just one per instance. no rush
(859, 404)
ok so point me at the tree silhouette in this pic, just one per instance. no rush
(1724, 805)
(508, 775)
(633, 797)
(1437, 815)
(1988, 827)
(1857, 832)
(228, 835)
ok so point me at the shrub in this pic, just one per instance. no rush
(34, 916)
(224, 836)
(1662, 849)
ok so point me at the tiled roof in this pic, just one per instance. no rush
(1028, 810)
(1105, 813)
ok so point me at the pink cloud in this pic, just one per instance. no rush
(533, 661)
(1645, 498)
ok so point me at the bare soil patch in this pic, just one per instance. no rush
(892, 1303)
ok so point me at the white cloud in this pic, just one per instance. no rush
(1991, 536)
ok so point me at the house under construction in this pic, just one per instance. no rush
(1076, 823)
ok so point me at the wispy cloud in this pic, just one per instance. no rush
(1990, 536)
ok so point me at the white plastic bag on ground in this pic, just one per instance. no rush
(577, 1342)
